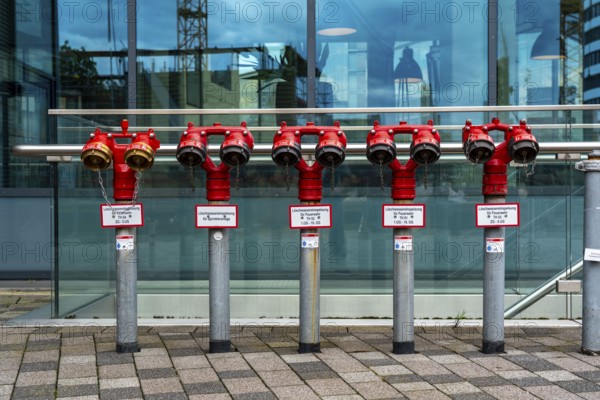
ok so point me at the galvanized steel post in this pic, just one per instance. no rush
(218, 270)
(590, 341)
(493, 285)
(403, 307)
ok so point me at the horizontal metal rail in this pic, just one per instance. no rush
(66, 150)
(353, 128)
(364, 110)
(542, 290)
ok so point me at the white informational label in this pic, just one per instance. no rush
(121, 215)
(317, 216)
(310, 240)
(495, 215)
(591, 255)
(494, 245)
(403, 243)
(404, 215)
(216, 216)
(125, 242)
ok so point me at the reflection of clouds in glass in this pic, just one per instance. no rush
(237, 23)
(157, 25)
(85, 24)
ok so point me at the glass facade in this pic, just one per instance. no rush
(236, 55)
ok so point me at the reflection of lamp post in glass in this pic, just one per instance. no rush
(433, 72)
(407, 71)
(549, 45)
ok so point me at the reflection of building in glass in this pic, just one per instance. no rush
(591, 52)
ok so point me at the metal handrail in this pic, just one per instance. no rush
(542, 290)
(65, 150)
(360, 110)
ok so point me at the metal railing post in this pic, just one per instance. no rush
(590, 341)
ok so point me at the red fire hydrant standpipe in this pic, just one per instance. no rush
(329, 152)
(522, 147)
(234, 152)
(128, 160)
(424, 150)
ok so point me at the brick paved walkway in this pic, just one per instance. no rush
(355, 362)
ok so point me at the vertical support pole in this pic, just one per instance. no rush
(590, 343)
(310, 291)
(218, 271)
(403, 309)
(493, 287)
(127, 328)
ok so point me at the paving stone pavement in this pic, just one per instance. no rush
(80, 362)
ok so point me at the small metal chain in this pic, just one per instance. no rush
(287, 175)
(425, 177)
(332, 178)
(192, 180)
(101, 182)
(136, 188)
(381, 180)
(529, 172)
(237, 175)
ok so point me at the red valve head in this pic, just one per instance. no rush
(478, 146)
(97, 152)
(191, 150)
(286, 151)
(139, 154)
(425, 147)
(235, 149)
(381, 148)
(522, 145)
(331, 149)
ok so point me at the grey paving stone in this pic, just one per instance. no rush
(110, 358)
(166, 396)
(531, 381)
(197, 351)
(121, 393)
(190, 376)
(445, 378)
(161, 385)
(156, 373)
(295, 392)
(34, 392)
(392, 379)
(190, 362)
(8, 377)
(36, 378)
(579, 386)
(377, 362)
(354, 377)
(426, 395)
(508, 392)
(552, 393)
(532, 363)
(77, 390)
(152, 362)
(204, 388)
(426, 367)
(330, 387)
(488, 381)
(118, 383)
(244, 373)
(556, 376)
(117, 371)
(255, 396)
(313, 366)
(76, 370)
(280, 378)
(376, 390)
(593, 376)
(472, 396)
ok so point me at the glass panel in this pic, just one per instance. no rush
(541, 59)
(92, 62)
(427, 59)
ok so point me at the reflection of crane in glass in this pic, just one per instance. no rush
(192, 41)
(192, 34)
